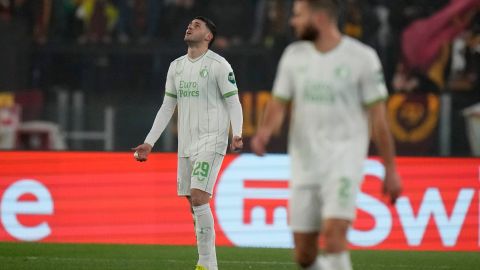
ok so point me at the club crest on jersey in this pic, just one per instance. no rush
(342, 72)
(231, 78)
(204, 72)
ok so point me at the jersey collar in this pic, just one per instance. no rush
(198, 58)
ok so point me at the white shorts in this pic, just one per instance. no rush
(310, 205)
(199, 172)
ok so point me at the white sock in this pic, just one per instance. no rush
(314, 266)
(335, 261)
(205, 236)
(213, 262)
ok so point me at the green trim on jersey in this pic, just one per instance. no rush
(375, 101)
(170, 95)
(281, 99)
(229, 94)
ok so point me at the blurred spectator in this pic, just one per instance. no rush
(404, 12)
(465, 62)
(271, 28)
(234, 21)
(64, 24)
(42, 13)
(384, 40)
(6, 10)
(176, 16)
(426, 42)
(99, 18)
(30, 16)
(138, 19)
(361, 21)
(474, 45)
(405, 80)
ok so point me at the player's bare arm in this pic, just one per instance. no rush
(382, 137)
(272, 120)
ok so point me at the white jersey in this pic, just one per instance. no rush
(200, 87)
(330, 93)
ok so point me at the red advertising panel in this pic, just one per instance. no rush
(110, 198)
(439, 209)
(92, 197)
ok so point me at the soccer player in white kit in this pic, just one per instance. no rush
(336, 88)
(203, 86)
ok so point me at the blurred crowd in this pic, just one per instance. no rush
(117, 52)
(262, 23)
(144, 21)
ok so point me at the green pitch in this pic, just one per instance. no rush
(29, 256)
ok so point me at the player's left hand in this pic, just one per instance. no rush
(237, 144)
(392, 185)
(259, 143)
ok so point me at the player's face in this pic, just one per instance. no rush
(301, 21)
(197, 31)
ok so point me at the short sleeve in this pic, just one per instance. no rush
(283, 85)
(226, 80)
(372, 82)
(170, 89)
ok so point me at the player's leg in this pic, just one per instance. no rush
(305, 221)
(335, 255)
(339, 196)
(205, 171)
(184, 175)
(193, 214)
(306, 249)
(335, 234)
(184, 172)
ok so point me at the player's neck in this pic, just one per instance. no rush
(328, 40)
(195, 52)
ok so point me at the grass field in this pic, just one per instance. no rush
(91, 257)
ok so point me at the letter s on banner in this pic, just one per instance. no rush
(377, 209)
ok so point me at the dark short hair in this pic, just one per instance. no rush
(210, 25)
(332, 7)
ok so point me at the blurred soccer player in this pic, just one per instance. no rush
(204, 87)
(336, 87)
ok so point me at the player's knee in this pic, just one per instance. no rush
(305, 257)
(199, 197)
(197, 201)
(335, 235)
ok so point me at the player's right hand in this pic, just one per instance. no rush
(237, 144)
(392, 185)
(142, 152)
(258, 144)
